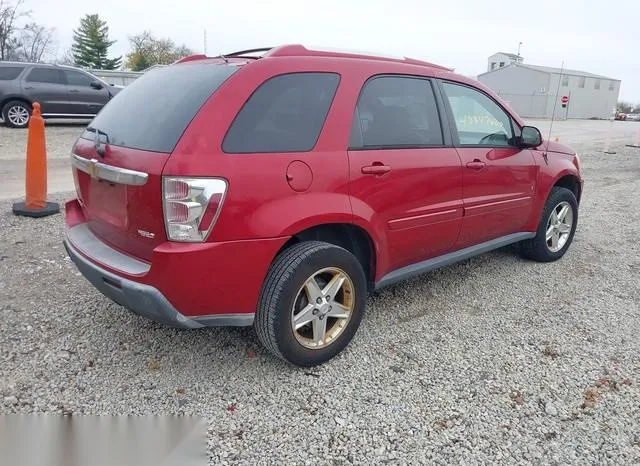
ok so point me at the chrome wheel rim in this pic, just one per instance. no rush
(18, 115)
(559, 226)
(323, 308)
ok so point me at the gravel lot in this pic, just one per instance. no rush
(492, 360)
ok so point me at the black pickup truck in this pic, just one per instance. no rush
(62, 91)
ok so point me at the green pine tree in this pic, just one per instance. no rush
(91, 43)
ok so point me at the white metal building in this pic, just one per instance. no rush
(532, 90)
(502, 59)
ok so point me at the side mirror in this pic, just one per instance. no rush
(96, 84)
(530, 137)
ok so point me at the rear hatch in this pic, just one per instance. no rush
(118, 160)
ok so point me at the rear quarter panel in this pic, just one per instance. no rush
(259, 202)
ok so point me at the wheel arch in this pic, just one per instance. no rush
(351, 237)
(5, 100)
(571, 182)
(568, 179)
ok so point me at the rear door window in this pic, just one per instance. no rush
(75, 78)
(153, 112)
(285, 114)
(7, 73)
(396, 112)
(45, 75)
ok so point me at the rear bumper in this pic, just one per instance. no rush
(145, 300)
(187, 285)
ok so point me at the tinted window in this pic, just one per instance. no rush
(396, 112)
(45, 75)
(74, 78)
(152, 112)
(479, 120)
(285, 114)
(10, 72)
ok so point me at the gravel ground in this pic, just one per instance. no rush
(494, 360)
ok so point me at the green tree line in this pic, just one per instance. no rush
(21, 39)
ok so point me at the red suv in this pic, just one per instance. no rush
(278, 187)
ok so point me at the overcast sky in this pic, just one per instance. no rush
(589, 35)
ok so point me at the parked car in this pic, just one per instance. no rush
(633, 116)
(278, 191)
(62, 91)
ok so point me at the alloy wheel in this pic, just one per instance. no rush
(322, 308)
(559, 226)
(18, 116)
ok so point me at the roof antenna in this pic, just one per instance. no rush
(553, 115)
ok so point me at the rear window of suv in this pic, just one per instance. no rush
(153, 112)
(7, 73)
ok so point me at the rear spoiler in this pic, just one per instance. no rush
(238, 54)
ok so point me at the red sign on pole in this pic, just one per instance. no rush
(565, 99)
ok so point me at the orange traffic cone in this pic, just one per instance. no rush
(36, 204)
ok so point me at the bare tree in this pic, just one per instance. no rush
(147, 50)
(65, 59)
(34, 42)
(9, 14)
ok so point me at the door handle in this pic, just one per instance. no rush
(28, 87)
(74, 90)
(377, 168)
(476, 165)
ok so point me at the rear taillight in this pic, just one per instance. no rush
(191, 206)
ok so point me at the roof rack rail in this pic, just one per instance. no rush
(298, 50)
(301, 50)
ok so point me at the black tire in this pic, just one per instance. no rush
(286, 276)
(537, 248)
(12, 104)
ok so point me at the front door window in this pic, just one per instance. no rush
(479, 120)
